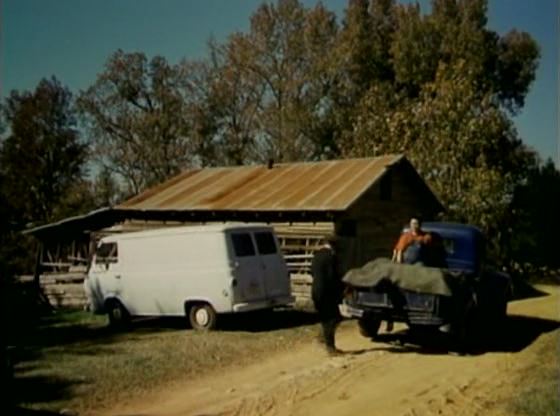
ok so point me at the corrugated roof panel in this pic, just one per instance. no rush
(360, 181)
(191, 193)
(275, 197)
(326, 185)
(232, 184)
(310, 184)
(159, 188)
(340, 181)
(252, 190)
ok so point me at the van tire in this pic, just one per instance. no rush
(202, 317)
(118, 315)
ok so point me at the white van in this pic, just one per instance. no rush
(197, 271)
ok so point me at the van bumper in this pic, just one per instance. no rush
(263, 304)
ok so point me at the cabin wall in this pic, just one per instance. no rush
(371, 227)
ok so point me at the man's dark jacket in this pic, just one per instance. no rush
(327, 288)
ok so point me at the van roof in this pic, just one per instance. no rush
(186, 229)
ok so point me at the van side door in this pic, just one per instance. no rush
(275, 272)
(247, 271)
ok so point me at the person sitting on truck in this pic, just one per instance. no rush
(415, 239)
(327, 291)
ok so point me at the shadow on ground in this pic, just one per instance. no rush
(258, 321)
(25, 390)
(264, 321)
(516, 334)
(525, 290)
(20, 411)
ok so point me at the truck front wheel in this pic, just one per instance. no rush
(202, 317)
(369, 327)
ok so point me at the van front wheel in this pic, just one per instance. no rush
(202, 317)
(118, 315)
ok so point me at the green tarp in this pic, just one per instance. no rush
(416, 278)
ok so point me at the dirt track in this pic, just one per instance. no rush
(369, 379)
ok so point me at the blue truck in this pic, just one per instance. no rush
(449, 288)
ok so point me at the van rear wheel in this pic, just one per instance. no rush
(202, 317)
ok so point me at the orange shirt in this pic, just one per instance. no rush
(408, 238)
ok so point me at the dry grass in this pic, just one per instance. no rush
(538, 392)
(73, 361)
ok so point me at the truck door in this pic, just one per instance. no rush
(275, 272)
(247, 270)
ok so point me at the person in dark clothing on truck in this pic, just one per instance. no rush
(327, 291)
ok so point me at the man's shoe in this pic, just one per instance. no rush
(333, 352)
(389, 327)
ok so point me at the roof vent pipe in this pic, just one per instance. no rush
(270, 163)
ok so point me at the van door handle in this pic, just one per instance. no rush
(117, 276)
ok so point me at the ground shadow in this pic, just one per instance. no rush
(521, 289)
(516, 334)
(20, 411)
(519, 332)
(46, 335)
(257, 321)
(264, 321)
(25, 390)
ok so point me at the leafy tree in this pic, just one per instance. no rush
(464, 146)
(106, 190)
(136, 115)
(42, 155)
(282, 71)
(447, 107)
(535, 207)
(42, 165)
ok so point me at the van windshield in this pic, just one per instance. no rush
(107, 253)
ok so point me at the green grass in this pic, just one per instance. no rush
(538, 393)
(74, 361)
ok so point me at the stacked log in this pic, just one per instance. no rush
(63, 290)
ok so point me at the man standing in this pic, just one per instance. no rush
(414, 238)
(327, 291)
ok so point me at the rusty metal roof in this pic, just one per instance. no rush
(310, 186)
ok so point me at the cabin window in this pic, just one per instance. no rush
(386, 187)
(265, 243)
(107, 253)
(243, 245)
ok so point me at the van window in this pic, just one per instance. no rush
(243, 245)
(265, 243)
(107, 253)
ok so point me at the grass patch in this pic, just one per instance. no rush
(539, 384)
(74, 361)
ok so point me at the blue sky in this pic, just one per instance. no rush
(71, 39)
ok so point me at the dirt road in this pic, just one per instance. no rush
(369, 379)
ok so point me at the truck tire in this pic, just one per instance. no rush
(119, 317)
(202, 317)
(369, 327)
